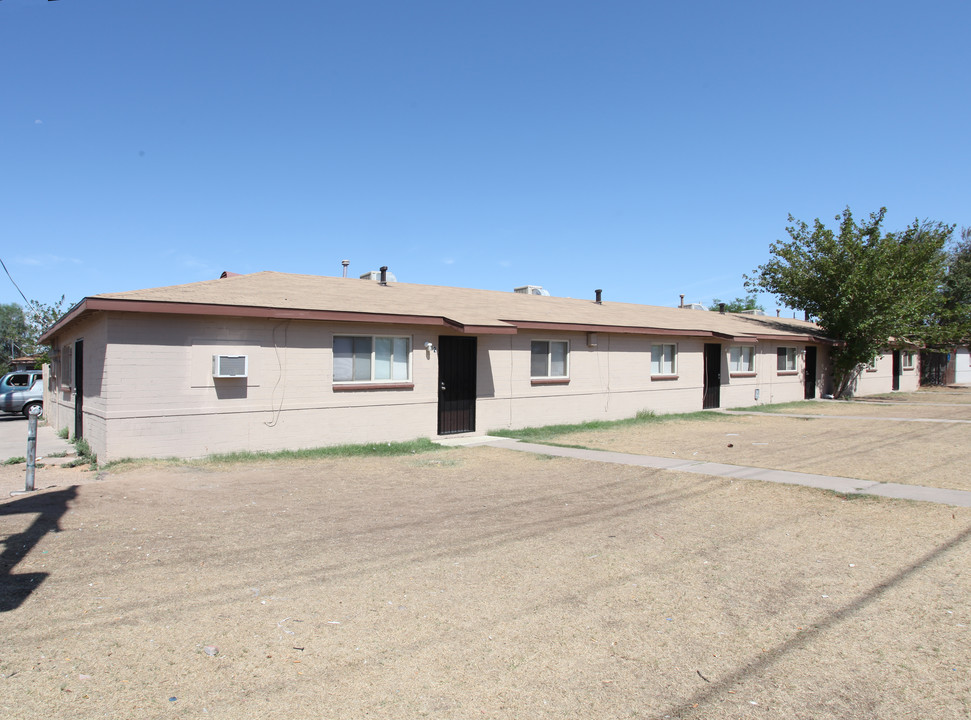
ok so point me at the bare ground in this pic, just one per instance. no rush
(476, 583)
(934, 454)
(909, 409)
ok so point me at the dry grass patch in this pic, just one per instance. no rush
(954, 394)
(870, 409)
(931, 454)
(479, 583)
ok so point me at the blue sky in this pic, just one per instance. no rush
(645, 148)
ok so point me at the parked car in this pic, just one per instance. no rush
(20, 391)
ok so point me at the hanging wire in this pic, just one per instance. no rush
(29, 303)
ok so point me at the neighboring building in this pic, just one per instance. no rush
(27, 362)
(959, 367)
(270, 361)
(891, 370)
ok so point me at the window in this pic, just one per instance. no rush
(872, 365)
(908, 359)
(67, 366)
(549, 359)
(371, 359)
(664, 359)
(785, 359)
(741, 359)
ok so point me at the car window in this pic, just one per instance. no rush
(19, 380)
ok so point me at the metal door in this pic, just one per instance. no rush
(713, 376)
(456, 384)
(933, 367)
(810, 373)
(78, 389)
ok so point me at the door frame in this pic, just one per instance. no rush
(456, 384)
(810, 379)
(711, 389)
(79, 389)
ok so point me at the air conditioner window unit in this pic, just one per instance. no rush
(230, 366)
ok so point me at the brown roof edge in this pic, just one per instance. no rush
(78, 309)
(797, 338)
(174, 308)
(481, 329)
(620, 329)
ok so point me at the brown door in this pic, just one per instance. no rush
(713, 376)
(456, 384)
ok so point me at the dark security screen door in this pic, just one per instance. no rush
(713, 376)
(810, 373)
(896, 370)
(79, 389)
(456, 384)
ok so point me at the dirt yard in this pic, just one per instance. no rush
(476, 583)
(929, 408)
(838, 443)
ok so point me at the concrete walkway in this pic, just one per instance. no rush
(13, 439)
(960, 498)
(844, 417)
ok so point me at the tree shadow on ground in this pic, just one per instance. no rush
(49, 508)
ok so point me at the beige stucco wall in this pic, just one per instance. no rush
(150, 392)
(60, 391)
(880, 378)
(165, 402)
(613, 380)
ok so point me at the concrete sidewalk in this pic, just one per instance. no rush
(845, 417)
(960, 498)
(13, 439)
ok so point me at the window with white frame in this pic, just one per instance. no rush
(908, 358)
(664, 359)
(371, 359)
(741, 359)
(549, 359)
(785, 359)
(872, 365)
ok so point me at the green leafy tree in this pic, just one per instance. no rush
(13, 334)
(739, 304)
(865, 287)
(952, 324)
(20, 330)
(41, 316)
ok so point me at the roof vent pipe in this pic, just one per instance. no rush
(345, 263)
(682, 301)
(721, 308)
(597, 293)
(384, 275)
(777, 311)
(805, 315)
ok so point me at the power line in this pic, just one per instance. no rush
(29, 303)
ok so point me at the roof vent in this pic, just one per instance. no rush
(532, 290)
(693, 306)
(376, 276)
